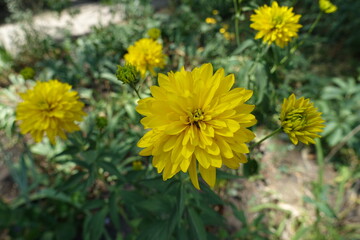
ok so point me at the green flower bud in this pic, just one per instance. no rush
(27, 73)
(127, 74)
(154, 33)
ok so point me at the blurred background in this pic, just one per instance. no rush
(95, 186)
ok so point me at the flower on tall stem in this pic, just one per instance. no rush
(49, 108)
(196, 122)
(300, 120)
(275, 24)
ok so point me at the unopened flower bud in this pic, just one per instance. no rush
(127, 74)
(154, 33)
(27, 73)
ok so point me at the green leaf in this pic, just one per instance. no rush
(73, 182)
(155, 230)
(93, 204)
(114, 212)
(111, 77)
(94, 225)
(261, 80)
(47, 193)
(90, 156)
(239, 214)
(244, 45)
(322, 206)
(331, 92)
(197, 224)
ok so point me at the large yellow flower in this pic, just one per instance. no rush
(327, 6)
(275, 24)
(193, 118)
(301, 120)
(51, 108)
(145, 54)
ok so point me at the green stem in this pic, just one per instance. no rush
(266, 137)
(320, 161)
(319, 185)
(315, 22)
(136, 91)
(237, 17)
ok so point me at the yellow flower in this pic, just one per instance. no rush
(275, 24)
(49, 108)
(300, 120)
(222, 30)
(215, 12)
(193, 118)
(145, 54)
(327, 6)
(210, 20)
(229, 36)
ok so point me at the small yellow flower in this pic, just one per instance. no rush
(146, 54)
(222, 30)
(275, 24)
(215, 12)
(229, 36)
(154, 33)
(326, 6)
(210, 20)
(49, 108)
(196, 122)
(300, 120)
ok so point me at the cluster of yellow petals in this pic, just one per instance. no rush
(210, 20)
(195, 117)
(145, 55)
(327, 6)
(275, 24)
(49, 108)
(301, 120)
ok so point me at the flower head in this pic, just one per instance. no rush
(326, 6)
(301, 120)
(49, 108)
(128, 74)
(210, 20)
(275, 24)
(215, 12)
(196, 122)
(145, 54)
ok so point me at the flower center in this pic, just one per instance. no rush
(296, 119)
(277, 22)
(196, 116)
(45, 106)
